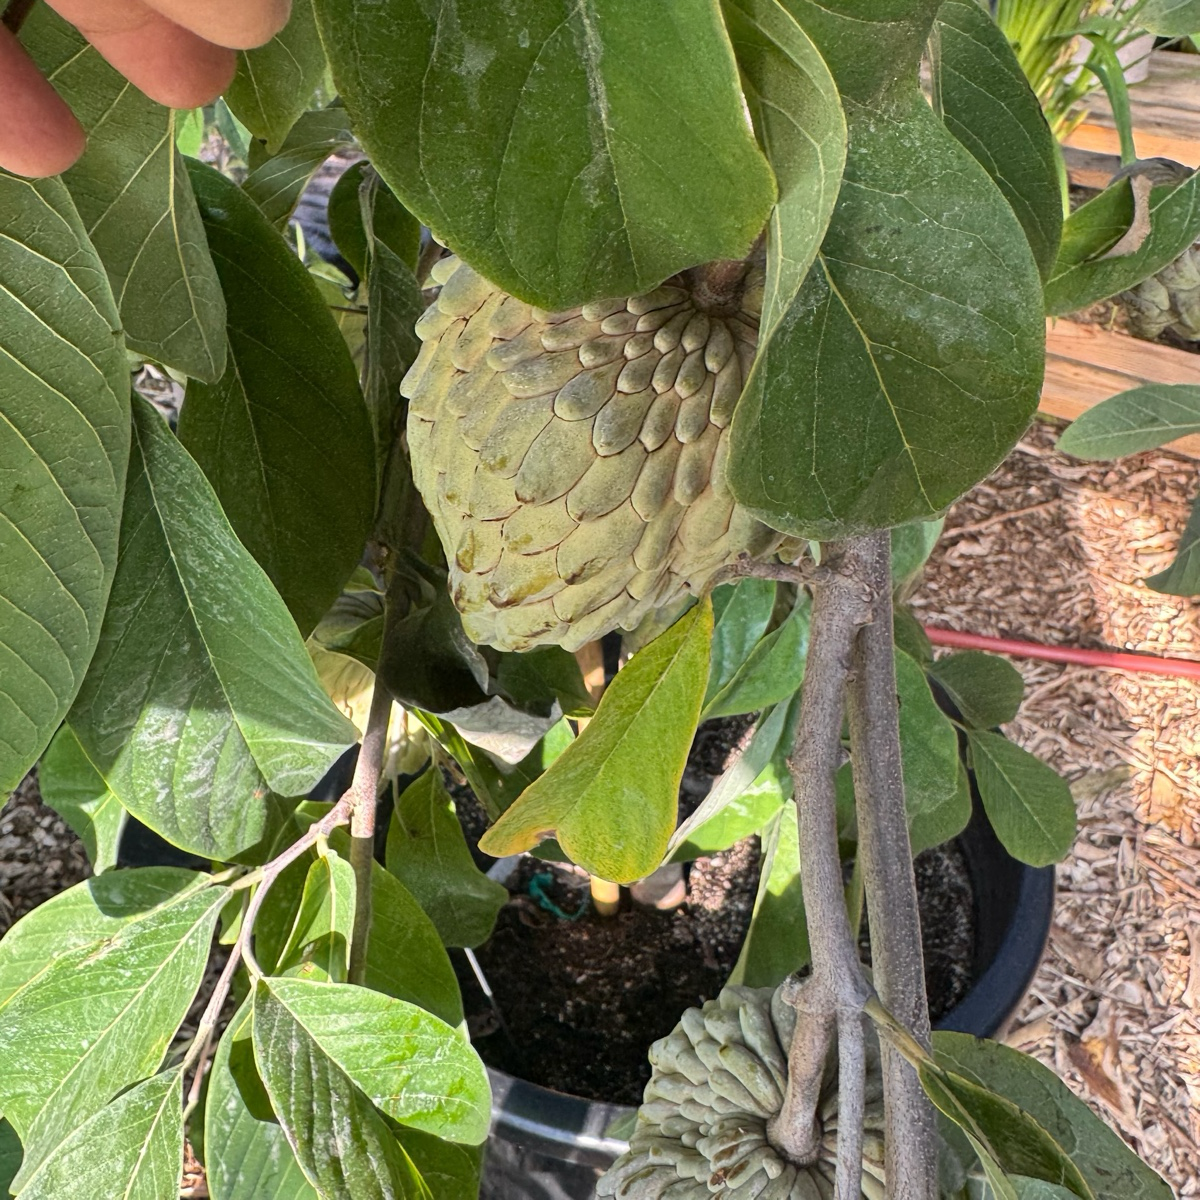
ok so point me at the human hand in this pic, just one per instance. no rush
(181, 53)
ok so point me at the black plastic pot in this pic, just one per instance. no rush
(549, 1146)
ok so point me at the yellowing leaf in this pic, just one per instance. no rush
(610, 798)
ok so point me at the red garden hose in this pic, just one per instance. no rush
(1148, 664)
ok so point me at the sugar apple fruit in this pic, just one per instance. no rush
(1168, 300)
(573, 462)
(718, 1078)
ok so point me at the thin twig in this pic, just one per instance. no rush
(801, 574)
(365, 792)
(883, 845)
(837, 988)
(16, 12)
(339, 814)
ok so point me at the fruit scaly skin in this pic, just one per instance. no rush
(1168, 300)
(573, 462)
(718, 1078)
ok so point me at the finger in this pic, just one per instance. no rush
(169, 63)
(240, 24)
(38, 133)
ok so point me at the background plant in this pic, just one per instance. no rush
(160, 587)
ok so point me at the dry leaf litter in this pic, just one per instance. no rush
(1055, 550)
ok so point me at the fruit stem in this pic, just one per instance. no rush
(717, 286)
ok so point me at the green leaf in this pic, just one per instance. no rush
(937, 808)
(773, 670)
(1082, 276)
(388, 222)
(565, 151)
(10, 1157)
(611, 796)
(415, 1068)
(427, 852)
(741, 613)
(934, 1081)
(1108, 1166)
(201, 696)
(798, 117)
(133, 1148)
(250, 1158)
(1142, 418)
(1170, 18)
(986, 689)
(746, 788)
(910, 635)
(85, 915)
(1029, 805)
(912, 544)
(745, 814)
(344, 214)
(912, 357)
(71, 786)
(1182, 577)
(394, 302)
(135, 202)
(339, 1138)
(405, 956)
(64, 444)
(100, 1017)
(284, 436)
(324, 924)
(274, 83)
(777, 941)
(1014, 1138)
(276, 183)
(535, 678)
(450, 1170)
(849, 34)
(1107, 67)
(987, 104)
(190, 128)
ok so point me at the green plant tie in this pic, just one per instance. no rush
(537, 889)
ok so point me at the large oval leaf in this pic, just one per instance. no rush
(987, 103)
(275, 82)
(100, 1017)
(284, 436)
(566, 150)
(799, 121)
(132, 1147)
(912, 357)
(415, 1068)
(64, 444)
(339, 1138)
(133, 194)
(1142, 418)
(201, 698)
(611, 796)
(250, 1158)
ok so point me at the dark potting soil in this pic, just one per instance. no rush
(578, 1000)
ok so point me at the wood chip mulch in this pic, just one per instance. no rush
(1054, 550)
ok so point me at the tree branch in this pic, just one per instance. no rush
(891, 892)
(364, 793)
(834, 994)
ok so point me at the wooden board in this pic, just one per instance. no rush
(1087, 363)
(1165, 109)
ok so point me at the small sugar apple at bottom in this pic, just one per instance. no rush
(718, 1078)
(573, 462)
